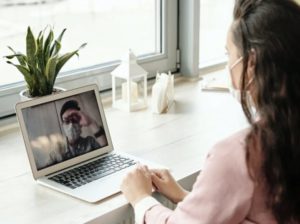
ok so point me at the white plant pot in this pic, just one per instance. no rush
(24, 96)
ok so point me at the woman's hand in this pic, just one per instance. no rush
(166, 185)
(137, 184)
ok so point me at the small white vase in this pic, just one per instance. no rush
(24, 96)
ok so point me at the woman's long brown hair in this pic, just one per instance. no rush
(271, 29)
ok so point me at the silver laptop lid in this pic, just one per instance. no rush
(63, 129)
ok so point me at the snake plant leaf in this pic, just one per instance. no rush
(25, 72)
(57, 44)
(47, 45)
(20, 57)
(82, 46)
(64, 58)
(32, 70)
(41, 86)
(61, 35)
(12, 56)
(55, 48)
(31, 47)
(40, 52)
(44, 87)
(40, 34)
(38, 77)
(10, 48)
(50, 70)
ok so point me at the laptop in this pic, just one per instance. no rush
(69, 145)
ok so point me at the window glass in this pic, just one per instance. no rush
(215, 19)
(109, 27)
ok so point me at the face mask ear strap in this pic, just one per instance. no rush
(236, 62)
(249, 83)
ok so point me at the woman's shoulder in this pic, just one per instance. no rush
(230, 152)
(234, 143)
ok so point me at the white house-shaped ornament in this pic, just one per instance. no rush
(134, 86)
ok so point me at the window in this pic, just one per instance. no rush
(110, 28)
(215, 19)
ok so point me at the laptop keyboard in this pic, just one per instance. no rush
(92, 171)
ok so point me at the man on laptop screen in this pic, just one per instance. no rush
(73, 119)
(74, 132)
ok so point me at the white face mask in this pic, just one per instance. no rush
(236, 93)
(72, 131)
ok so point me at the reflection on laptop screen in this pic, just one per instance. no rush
(65, 128)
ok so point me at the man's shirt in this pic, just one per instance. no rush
(83, 146)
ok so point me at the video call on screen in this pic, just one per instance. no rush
(64, 129)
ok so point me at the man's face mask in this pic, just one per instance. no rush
(72, 131)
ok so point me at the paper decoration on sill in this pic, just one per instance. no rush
(162, 93)
(216, 84)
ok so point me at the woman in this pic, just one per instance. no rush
(253, 176)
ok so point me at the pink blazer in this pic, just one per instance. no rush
(222, 194)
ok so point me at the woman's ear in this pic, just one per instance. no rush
(251, 64)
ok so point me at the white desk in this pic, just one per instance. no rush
(179, 140)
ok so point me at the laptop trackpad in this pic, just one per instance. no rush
(100, 189)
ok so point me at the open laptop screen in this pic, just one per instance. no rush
(64, 129)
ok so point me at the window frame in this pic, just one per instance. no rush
(100, 74)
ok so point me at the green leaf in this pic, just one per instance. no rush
(50, 70)
(40, 35)
(20, 57)
(12, 56)
(82, 46)
(57, 44)
(40, 53)
(55, 48)
(31, 47)
(61, 35)
(26, 73)
(64, 58)
(43, 84)
(47, 46)
(10, 48)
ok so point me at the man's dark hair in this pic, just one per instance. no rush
(71, 104)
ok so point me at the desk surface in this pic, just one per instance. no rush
(179, 140)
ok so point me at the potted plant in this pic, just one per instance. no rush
(41, 63)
